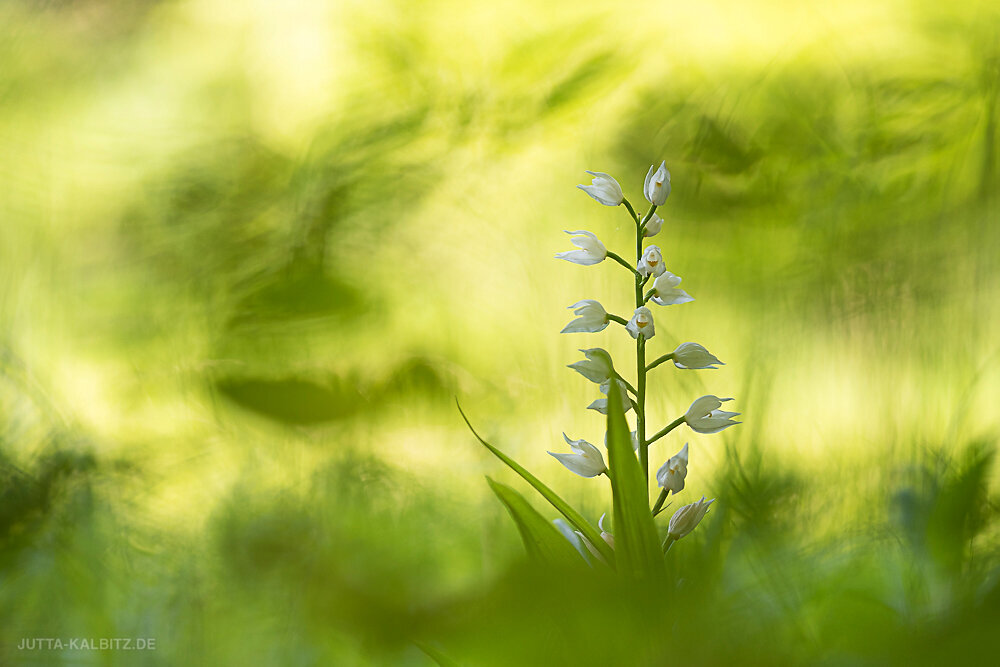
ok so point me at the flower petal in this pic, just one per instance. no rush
(580, 465)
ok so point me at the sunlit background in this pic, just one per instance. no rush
(252, 252)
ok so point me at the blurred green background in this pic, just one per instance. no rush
(251, 252)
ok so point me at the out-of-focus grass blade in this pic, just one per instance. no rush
(574, 517)
(541, 539)
(436, 655)
(636, 540)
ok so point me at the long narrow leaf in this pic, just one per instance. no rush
(436, 655)
(564, 508)
(541, 539)
(636, 540)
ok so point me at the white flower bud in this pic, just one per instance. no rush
(666, 292)
(591, 317)
(585, 461)
(657, 186)
(595, 368)
(591, 250)
(653, 226)
(604, 189)
(651, 262)
(641, 323)
(692, 356)
(704, 415)
(687, 518)
(672, 473)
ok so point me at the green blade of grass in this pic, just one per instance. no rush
(564, 508)
(541, 539)
(436, 655)
(636, 541)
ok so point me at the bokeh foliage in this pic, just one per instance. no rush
(250, 252)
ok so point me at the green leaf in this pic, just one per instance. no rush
(636, 541)
(564, 508)
(541, 539)
(436, 654)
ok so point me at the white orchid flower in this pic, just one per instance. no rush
(651, 262)
(704, 415)
(591, 318)
(641, 323)
(601, 404)
(595, 368)
(666, 292)
(653, 226)
(591, 250)
(692, 356)
(686, 518)
(585, 461)
(604, 189)
(657, 186)
(672, 473)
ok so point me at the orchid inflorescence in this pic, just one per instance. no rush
(637, 539)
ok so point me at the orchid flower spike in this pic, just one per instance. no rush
(653, 226)
(591, 317)
(591, 250)
(672, 473)
(666, 292)
(595, 368)
(585, 461)
(687, 518)
(657, 186)
(601, 404)
(641, 323)
(651, 262)
(692, 356)
(604, 189)
(704, 415)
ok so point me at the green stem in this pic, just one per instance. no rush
(621, 261)
(666, 357)
(649, 214)
(638, 258)
(658, 507)
(618, 319)
(640, 347)
(640, 365)
(639, 282)
(666, 429)
(631, 210)
(667, 543)
(640, 422)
